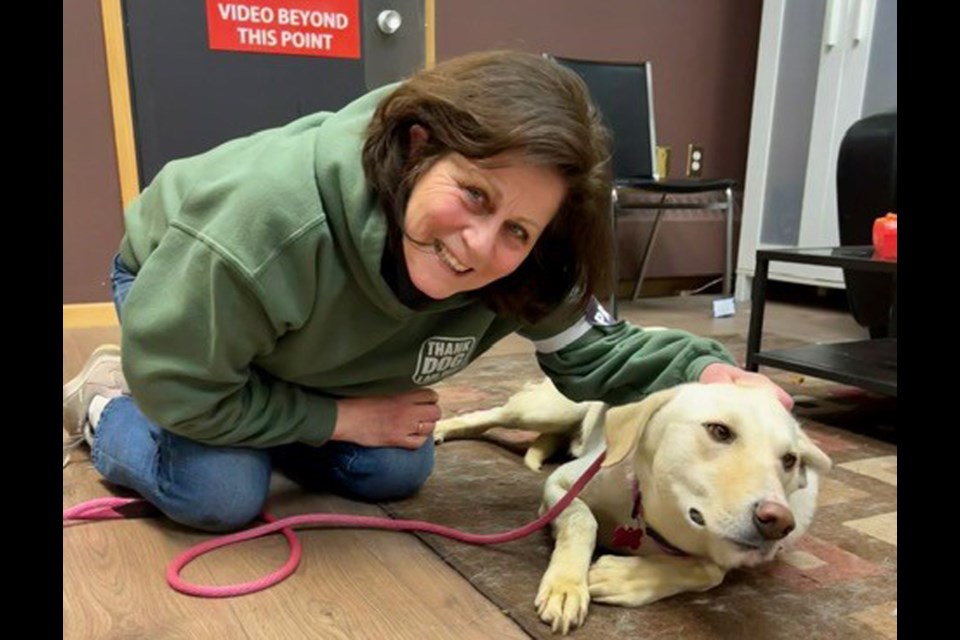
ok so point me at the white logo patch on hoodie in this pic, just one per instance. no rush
(440, 357)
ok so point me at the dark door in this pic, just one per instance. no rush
(187, 96)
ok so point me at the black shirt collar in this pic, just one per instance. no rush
(393, 268)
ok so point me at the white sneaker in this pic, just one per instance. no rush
(102, 375)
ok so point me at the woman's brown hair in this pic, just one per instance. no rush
(484, 104)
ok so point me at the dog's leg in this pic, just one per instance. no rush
(589, 437)
(542, 448)
(563, 597)
(468, 425)
(631, 581)
(512, 414)
(580, 439)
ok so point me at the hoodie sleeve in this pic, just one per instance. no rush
(597, 358)
(191, 327)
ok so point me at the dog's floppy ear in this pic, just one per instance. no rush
(625, 424)
(811, 455)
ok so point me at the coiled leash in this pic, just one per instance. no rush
(119, 508)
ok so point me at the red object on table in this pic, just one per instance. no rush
(885, 236)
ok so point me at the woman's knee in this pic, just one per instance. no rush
(218, 515)
(387, 473)
(222, 502)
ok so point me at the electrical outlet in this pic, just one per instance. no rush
(694, 161)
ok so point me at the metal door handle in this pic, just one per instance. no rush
(389, 21)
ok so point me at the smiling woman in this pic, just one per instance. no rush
(477, 223)
(286, 298)
(494, 111)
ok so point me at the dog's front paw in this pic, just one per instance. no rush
(619, 580)
(562, 601)
(631, 581)
(444, 428)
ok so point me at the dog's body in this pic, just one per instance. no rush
(697, 480)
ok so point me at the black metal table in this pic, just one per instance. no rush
(868, 364)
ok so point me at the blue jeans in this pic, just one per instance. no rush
(223, 488)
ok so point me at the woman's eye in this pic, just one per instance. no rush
(719, 432)
(518, 231)
(475, 194)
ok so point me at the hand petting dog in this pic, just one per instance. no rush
(720, 372)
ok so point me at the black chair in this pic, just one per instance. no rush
(623, 92)
(867, 189)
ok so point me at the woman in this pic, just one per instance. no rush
(287, 298)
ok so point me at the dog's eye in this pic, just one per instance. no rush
(719, 432)
(789, 461)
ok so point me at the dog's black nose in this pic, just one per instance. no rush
(773, 520)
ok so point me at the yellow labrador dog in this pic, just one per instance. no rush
(698, 479)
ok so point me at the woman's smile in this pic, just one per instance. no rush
(449, 259)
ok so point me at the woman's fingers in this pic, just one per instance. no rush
(419, 396)
(403, 420)
(721, 372)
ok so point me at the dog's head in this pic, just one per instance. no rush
(725, 470)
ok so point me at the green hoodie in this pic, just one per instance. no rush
(259, 299)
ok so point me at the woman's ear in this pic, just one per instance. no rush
(418, 137)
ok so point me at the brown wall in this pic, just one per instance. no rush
(703, 53)
(92, 213)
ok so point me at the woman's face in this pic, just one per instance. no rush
(468, 225)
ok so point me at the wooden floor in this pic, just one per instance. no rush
(350, 584)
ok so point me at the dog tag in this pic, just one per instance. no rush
(628, 537)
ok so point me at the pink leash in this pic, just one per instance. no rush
(117, 508)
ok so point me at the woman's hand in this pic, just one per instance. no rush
(720, 372)
(405, 420)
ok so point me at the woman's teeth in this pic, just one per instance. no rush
(449, 260)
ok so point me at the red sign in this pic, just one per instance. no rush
(326, 28)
